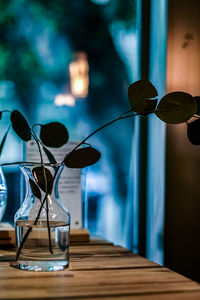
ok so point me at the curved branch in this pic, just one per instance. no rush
(102, 127)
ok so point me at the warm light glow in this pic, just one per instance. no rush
(79, 85)
(64, 99)
(79, 80)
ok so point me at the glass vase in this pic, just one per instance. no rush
(3, 194)
(42, 223)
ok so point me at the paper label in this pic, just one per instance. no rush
(70, 181)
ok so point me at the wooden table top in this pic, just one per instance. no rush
(97, 270)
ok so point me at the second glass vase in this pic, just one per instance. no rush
(3, 194)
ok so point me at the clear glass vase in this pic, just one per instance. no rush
(3, 194)
(42, 223)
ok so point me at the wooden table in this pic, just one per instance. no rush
(97, 270)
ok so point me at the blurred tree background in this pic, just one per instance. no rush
(38, 41)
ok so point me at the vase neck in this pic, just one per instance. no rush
(42, 179)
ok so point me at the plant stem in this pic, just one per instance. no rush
(103, 126)
(4, 140)
(126, 112)
(30, 228)
(18, 163)
(39, 212)
(49, 231)
(22, 242)
(6, 110)
(35, 222)
(37, 124)
(38, 144)
(46, 189)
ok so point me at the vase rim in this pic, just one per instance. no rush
(30, 164)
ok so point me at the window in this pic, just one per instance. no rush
(72, 61)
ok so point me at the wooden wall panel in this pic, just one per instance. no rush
(182, 230)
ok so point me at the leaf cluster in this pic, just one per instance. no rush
(173, 108)
(51, 135)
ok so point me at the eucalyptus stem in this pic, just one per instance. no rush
(36, 124)
(126, 112)
(30, 228)
(4, 139)
(103, 126)
(38, 144)
(46, 190)
(42, 204)
(17, 163)
(36, 220)
(48, 226)
(6, 110)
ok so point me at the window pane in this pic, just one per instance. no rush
(72, 61)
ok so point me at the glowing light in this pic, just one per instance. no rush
(64, 99)
(79, 80)
(79, 85)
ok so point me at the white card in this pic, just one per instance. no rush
(70, 181)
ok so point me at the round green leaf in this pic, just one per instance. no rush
(81, 158)
(54, 134)
(35, 189)
(193, 132)
(43, 178)
(176, 107)
(140, 95)
(20, 125)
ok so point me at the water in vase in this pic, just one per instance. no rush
(44, 250)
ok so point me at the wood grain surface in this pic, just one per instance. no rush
(97, 270)
(7, 234)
